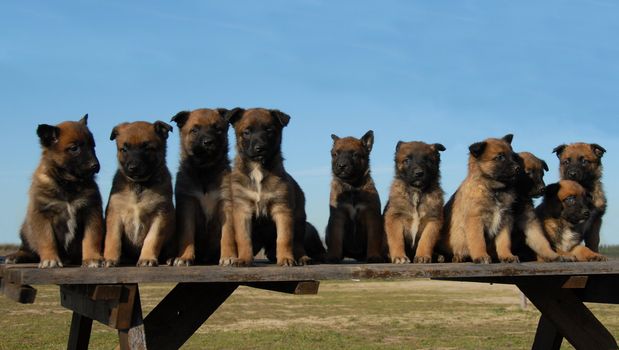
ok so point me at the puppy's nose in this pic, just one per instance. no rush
(259, 148)
(208, 142)
(95, 167)
(418, 173)
(542, 189)
(571, 174)
(341, 165)
(132, 167)
(517, 168)
(586, 213)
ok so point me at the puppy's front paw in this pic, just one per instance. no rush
(182, 262)
(597, 257)
(111, 263)
(484, 259)
(457, 258)
(11, 259)
(509, 259)
(400, 260)
(285, 261)
(50, 263)
(147, 263)
(92, 263)
(305, 260)
(422, 259)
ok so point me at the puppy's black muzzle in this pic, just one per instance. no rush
(137, 165)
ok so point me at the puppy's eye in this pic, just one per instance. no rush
(246, 133)
(499, 157)
(585, 161)
(566, 161)
(124, 149)
(270, 130)
(219, 131)
(407, 160)
(193, 130)
(74, 149)
(571, 200)
(356, 155)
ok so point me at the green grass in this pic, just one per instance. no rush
(612, 251)
(418, 314)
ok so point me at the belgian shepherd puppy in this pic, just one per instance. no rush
(64, 221)
(528, 237)
(201, 181)
(414, 213)
(564, 213)
(355, 227)
(269, 206)
(479, 214)
(140, 218)
(582, 162)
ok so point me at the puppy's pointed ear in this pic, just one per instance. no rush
(234, 115)
(398, 145)
(552, 190)
(544, 165)
(162, 129)
(283, 118)
(368, 140)
(477, 149)
(598, 150)
(48, 134)
(180, 118)
(508, 138)
(559, 149)
(439, 147)
(84, 119)
(222, 111)
(334, 137)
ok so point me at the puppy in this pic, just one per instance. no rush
(479, 213)
(64, 221)
(582, 162)
(564, 213)
(201, 181)
(269, 206)
(414, 213)
(528, 236)
(140, 216)
(355, 227)
(313, 245)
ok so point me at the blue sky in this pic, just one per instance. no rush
(453, 72)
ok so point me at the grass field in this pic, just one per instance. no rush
(419, 314)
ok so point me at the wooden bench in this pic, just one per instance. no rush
(111, 296)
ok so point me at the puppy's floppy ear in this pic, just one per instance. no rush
(477, 149)
(559, 149)
(234, 115)
(48, 134)
(398, 145)
(283, 118)
(84, 119)
(334, 137)
(508, 138)
(439, 147)
(544, 165)
(552, 190)
(598, 150)
(368, 140)
(162, 129)
(114, 133)
(180, 118)
(222, 111)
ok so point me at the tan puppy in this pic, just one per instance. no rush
(140, 216)
(269, 206)
(201, 181)
(582, 162)
(527, 227)
(479, 213)
(564, 212)
(355, 227)
(414, 213)
(64, 221)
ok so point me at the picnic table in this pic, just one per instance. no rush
(111, 295)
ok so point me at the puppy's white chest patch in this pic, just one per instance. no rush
(415, 217)
(256, 176)
(133, 222)
(496, 220)
(569, 239)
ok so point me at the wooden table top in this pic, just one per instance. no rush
(262, 272)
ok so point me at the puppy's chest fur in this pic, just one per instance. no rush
(493, 206)
(209, 195)
(563, 235)
(260, 190)
(137, 210)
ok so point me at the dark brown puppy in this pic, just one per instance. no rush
(528, 237)
(355, 227)
(64, 221)
(269, 206)
(140, 216)
(313, 245)
(582, 162)
(479, 213)
(201, 183)
(414, 213)
(564, 213)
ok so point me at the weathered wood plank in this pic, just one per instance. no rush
(22, 294)
(167, 274)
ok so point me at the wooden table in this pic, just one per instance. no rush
(111, 296)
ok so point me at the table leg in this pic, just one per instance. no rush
(547, 336)
(79, 335)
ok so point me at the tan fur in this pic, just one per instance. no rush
(140, 217)
(355, 227)
(479, 213)
(201, 191)
(592, 153)
(564, 235)
(64, 220)
(413, 217)
(262, 192)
